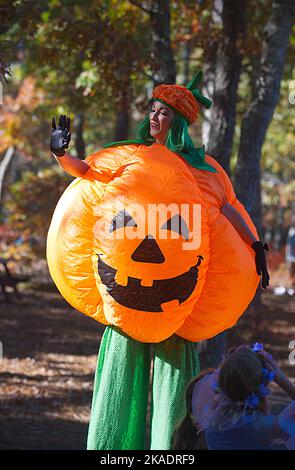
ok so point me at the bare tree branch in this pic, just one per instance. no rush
(4, 165)
(141, 6)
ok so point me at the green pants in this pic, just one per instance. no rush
(121, 385)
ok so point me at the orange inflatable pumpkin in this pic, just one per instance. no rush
(139, 242)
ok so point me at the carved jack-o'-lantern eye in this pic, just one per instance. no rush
(122, 219)
(177, 224)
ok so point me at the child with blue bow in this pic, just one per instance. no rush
(227, 408)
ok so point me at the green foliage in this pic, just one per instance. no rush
(83, 55)
(32, 202)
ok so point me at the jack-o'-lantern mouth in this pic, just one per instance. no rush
(149, 298)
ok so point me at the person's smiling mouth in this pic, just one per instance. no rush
(154, 126)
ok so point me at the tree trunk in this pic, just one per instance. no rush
(123, 111)
(7, 18)
(122, 125)
(259, 114)
(210, 54)
(222, 74)
(163, 64)
(187, 50)
(227, 75)
(79, 141)
(257, 119)
(4, 164)
(7, 171)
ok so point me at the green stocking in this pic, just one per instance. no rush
(176, 363)
(120, 394)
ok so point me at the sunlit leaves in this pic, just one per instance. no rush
(32, 201)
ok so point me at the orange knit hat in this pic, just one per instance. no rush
(183, 99)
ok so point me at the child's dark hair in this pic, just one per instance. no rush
(241, 375)
(188, 434)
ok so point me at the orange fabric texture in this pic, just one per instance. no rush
(180, 98)
(231, 279)
(150, 285)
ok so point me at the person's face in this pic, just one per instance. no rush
(160, 120)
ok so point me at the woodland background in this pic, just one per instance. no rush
(97, 62)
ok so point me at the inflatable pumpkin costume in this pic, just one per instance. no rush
(185, 277)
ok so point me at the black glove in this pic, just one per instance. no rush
(260, 262)
(60, 138)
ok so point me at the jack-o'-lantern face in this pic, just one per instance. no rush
(149, 298)
(147, 255)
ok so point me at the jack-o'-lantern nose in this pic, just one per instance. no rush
(148, 251)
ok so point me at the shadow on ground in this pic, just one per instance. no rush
(47, 371)
(49, 359)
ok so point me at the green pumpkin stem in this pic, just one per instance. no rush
(195, 81)
(192, 86)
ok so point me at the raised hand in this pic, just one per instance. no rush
(61, 136)
(272, 365)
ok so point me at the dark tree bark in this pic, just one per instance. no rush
(164, 70)
(254, 127)
(122, 125)
(256, 121)
(123, 111)
(163, 65)
(209, 67)
(227, 74)
(162, 60)
(222, 73)
(187, 50)
(79, 141)
(7, 17)
(259, 114)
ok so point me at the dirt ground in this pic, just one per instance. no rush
(46, 373)
(49, 358)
